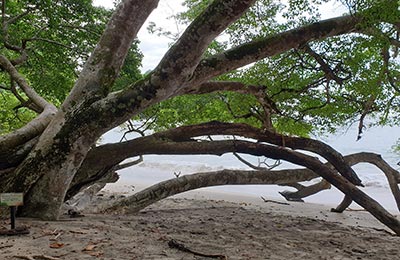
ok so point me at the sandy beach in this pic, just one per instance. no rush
(206, 225)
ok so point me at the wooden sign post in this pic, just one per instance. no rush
(12, 200)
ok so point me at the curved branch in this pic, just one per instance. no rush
(259, 167)
(6, 65)
(219, 128)
(316, 166)
(305, 191)
(178, 141)
(391, 174)
(35, 127)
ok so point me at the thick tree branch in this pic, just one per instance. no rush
(184, 183)
(316, 166)
(214, 86)
(182, 58)
(35, 127)
(267, 47)
(146, 92)
(177, 65)
(217, 128)
(265, 135)
(104, 64)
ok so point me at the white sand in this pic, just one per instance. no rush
(318, 208)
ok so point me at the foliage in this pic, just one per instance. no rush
(10, 118)
(57, 38)
(306, 98)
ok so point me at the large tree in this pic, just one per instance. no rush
(304, 72)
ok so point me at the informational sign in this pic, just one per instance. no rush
(11, 199)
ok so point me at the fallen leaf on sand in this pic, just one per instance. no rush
(56, 245)
(89, 247)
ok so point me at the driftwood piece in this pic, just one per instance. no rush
(305, 191)
(181, 247)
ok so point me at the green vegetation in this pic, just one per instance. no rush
(57, 38)
(315, 88)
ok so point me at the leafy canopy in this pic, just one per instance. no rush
(57, 37)
(364, 67)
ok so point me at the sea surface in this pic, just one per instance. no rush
(156, 168)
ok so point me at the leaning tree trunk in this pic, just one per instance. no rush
(46, 173)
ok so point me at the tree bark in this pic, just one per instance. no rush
(159, 191)
(90, 110)
(45, 175)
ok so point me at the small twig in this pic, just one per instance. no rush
(384, 230)
(174, 244)
(51, 233)
(6, 246)
(57, 236)
(350, 209)
(274, 201)
(26, 257)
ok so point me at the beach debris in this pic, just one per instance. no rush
(177, 174)
(89, 247)
(274, 201)
(56, 233)
(57, 245)
(81, 232)
(181, 247)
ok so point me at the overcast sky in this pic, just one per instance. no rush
(154, 47)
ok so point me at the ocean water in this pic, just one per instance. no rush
(156, 168)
